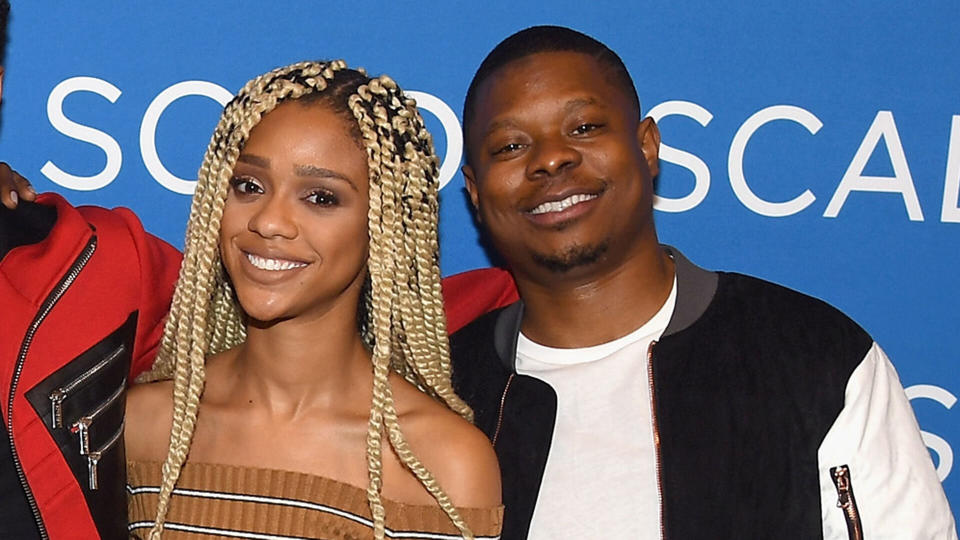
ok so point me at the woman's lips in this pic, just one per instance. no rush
(273, 265)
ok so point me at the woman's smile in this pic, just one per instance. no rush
(272, 264)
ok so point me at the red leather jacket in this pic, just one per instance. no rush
(83, 309)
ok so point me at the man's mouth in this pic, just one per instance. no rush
(563, 204)
(273, 265)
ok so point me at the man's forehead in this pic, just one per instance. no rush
(566, 79)
(542, 65)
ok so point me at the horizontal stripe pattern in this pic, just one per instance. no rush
(263, 504)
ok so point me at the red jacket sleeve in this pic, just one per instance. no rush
(159, 266)
(471, 294)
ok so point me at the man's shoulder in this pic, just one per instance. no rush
(480, 329)
(776, 300)
(479, 372)
(489, 340)
(778, 316)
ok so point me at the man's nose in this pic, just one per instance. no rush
(552, 156)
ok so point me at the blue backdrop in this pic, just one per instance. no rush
(815, 145)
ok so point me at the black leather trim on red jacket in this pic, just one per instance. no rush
(96, 381)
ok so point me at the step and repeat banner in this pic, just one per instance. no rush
(816, 145)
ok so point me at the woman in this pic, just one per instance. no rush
(307, 329)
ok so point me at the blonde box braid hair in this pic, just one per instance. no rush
(401, 313)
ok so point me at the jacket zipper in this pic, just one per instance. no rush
(82, 426)
(93, 459)
(60, 394)
(503, 400)
(656, 437)
(42, 314)
(846, 501)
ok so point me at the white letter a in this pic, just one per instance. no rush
(901, 182)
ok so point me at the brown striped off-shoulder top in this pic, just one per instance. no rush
(225, 501)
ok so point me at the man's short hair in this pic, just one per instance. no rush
(538, 39)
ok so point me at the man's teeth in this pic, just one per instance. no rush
(559, 206)
(273, 264)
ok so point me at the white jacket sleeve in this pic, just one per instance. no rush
(895, 485)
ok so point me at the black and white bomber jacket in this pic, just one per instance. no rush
(778, 417)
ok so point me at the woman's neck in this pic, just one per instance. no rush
(294, 365)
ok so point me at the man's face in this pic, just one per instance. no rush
(561, 166)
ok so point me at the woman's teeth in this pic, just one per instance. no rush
(559, 206)
(273, 264)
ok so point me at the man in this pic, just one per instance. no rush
(632, 394)
(84, 293)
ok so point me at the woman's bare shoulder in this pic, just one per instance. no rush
(149, 416)
(455, 451)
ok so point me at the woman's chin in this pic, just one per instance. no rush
(264, 324)
(264, 316)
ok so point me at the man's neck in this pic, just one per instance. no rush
(596, 307)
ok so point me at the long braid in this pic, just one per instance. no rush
(380, 309)
(402, 312)
(391, 169)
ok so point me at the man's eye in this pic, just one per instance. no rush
(586, 128)
(507, 148)
(245, 185)
(322, 197)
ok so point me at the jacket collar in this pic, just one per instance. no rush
(34, 269)
(695, 290)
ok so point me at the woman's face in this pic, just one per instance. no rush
(294, 232)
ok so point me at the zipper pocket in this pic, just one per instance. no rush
(45, 310)
(82, 426)
(846, 501)
(93, 458)
(60, 394)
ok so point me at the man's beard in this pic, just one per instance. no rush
(570, 258)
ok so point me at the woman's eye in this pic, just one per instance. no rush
(322, 197)
(586, 128)
(245, 185)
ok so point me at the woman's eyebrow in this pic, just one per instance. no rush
(254, 160)
(321, 172)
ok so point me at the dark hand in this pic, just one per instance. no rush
(14, 187)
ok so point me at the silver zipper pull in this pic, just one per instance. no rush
(56, 407)
(82, 429)
(93, 459)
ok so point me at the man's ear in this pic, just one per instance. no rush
(648, 136)
(471, 185)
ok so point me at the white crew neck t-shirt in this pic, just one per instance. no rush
(600, 480)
